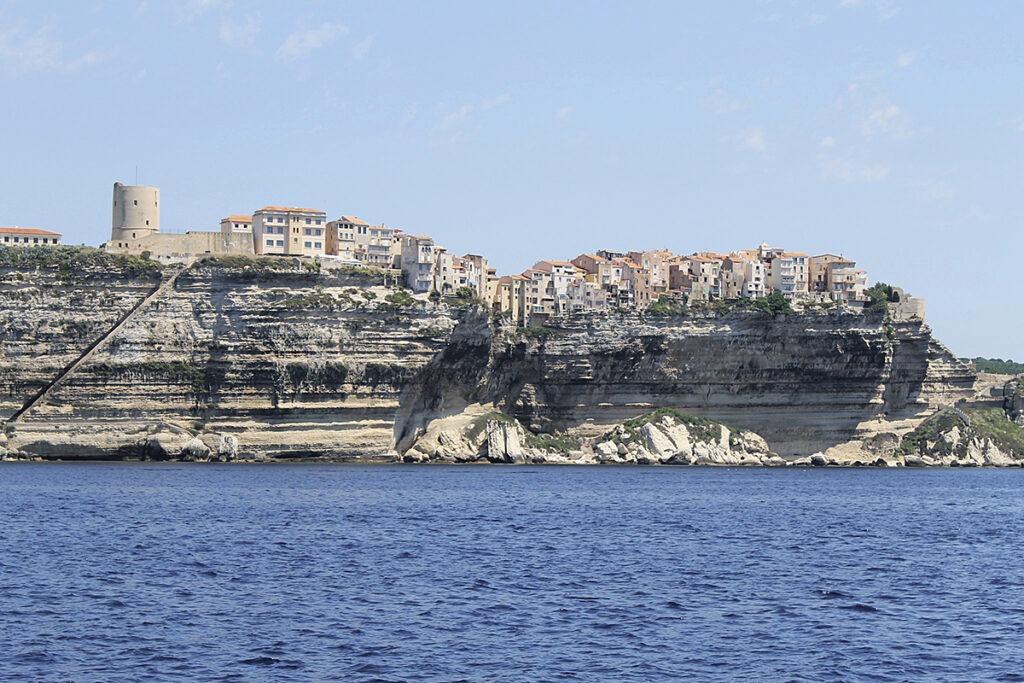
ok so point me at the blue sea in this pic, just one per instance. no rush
(201, 572)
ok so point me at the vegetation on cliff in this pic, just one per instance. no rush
(933, 437)
(75, 263)
(996, 366)
(699, 428)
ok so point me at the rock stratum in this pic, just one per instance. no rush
(261, 359)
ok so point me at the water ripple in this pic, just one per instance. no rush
(296, 573)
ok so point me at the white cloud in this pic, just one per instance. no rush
(889, 120)
(240, 34)
(302, 43)
(197, 7)
(848, 168)
(501, 99)
(886, 9)
(456, 118)
(753, 139)
(25, 51)
(361, 48)
(905, 59)
(722, 103)
(827, 142)
(563, 112)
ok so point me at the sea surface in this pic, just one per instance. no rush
(200, 572)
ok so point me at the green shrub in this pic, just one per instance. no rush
(666, 306)
(996, 366)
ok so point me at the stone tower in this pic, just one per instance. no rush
(136, 212)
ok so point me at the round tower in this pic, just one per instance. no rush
(136, 212)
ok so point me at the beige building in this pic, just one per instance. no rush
(788, 274)
(509, 297)
(656, 261)
(703, 277)
(289, 230)
(845, 281)
(28, 237)
(418, 260)
(135, 229)
(236, 224)
(135, 213)
(353, 239)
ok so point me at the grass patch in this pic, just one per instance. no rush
(700, 429)
(552, 443)
(986, 423)
(992, 423)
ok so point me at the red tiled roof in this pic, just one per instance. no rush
(29, 231)
(292, 209)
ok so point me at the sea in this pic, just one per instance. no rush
(312, 572)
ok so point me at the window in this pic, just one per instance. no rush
(319, 245)
(308, 245)
(309, 221)
(6, 238)
(270, 243)
(318, 232)
(318, 221)
(136, 202)
(280, 243)
(308, 231)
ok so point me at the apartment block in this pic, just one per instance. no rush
(291, 231)
(417, 262)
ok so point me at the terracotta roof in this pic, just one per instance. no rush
(291, 209)
(417, 237)
(558, 263)
(353, 220)
(794, 253)
(29, 231)
(238, 218)
(595, 257)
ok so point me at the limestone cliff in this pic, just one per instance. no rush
(292, 362)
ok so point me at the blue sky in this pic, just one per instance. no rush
(891, 132)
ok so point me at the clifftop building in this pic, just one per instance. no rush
(28, 237)
(289, 230)
(136, 212)
(135, 229)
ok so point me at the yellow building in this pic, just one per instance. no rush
(290, 230)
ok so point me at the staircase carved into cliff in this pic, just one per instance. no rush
(167, 280)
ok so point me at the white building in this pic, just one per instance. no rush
(236, 224)
(28, 237)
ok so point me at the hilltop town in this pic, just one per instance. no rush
(656, 279)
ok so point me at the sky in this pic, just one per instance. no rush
(890, 132)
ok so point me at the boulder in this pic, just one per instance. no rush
(607, 449)
(818, 460)
(227, 447)
(195, 450)
(505, 441)
(656, 442)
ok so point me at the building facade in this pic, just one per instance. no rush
(289, 230)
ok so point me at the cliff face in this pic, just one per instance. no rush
(804, 382)
(296, 363)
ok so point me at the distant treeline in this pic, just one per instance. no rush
(996, 366)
